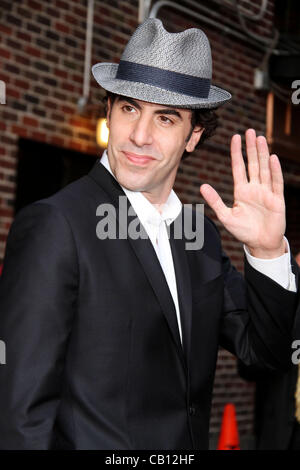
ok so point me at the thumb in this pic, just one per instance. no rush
(214, 201)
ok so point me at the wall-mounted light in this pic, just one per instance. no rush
(102, 132)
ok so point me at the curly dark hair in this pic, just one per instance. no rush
(205, 118)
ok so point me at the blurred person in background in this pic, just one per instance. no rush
(277, 401)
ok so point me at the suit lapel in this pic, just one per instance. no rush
(144, 251)
(150, 263)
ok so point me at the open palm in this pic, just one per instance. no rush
(257, 217)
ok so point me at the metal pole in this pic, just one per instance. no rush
(83, 100)
(144, 7)
(88, 48)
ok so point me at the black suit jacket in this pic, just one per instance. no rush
(275, 419)
(94, 359)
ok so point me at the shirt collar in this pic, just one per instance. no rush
(147, 212)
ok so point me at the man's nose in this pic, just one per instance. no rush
(141, 133)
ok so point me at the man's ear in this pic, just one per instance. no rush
(194, 139)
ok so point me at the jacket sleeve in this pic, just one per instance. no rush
(38, 291)
(258, 317)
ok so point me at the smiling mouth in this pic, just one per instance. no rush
(138, 159)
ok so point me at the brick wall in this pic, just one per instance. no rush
(42, 48)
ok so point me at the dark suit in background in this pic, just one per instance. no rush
(275, 425)
(94, 359)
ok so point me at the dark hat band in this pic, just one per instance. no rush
(166, 79)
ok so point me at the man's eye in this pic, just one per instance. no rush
(166, 120)
(127, 108)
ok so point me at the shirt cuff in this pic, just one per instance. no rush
(278, 269)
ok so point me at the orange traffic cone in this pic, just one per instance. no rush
(229, 435)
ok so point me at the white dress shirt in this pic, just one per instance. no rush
(154, 223)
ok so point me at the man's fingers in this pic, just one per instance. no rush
(277, 177)
(251, 149)
(215, 202)
(264, 161)
(237, 161)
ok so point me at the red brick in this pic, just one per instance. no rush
(62, 28)
(60, 73)
(57, 117)
(119, 39)
(34, 5)
(67, 109)
(21, 131)
(5, 29)
(133, 23)
(14, 20)
(21, 84)
(59, 96)
(40, 136)
(33, 51)
(6, 78)
(80, 12)
(22, 59)
(7, 189)
(24, 12)
(29, 121)
(13, 93)
(76, 122)
(52, 58)
(48, 127)
(6, 212)
(76, 146)
(8, 164)
(53, 12)
(50, 104)
(129, 10)
(5, 53)
(24, 36)
(61, 5)
(77, 78)
(67, 86)
(71, 19)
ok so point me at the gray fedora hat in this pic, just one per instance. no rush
(164, 68)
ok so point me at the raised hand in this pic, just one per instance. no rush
(257, 217)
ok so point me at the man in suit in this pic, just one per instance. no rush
(112, 340)
(277, 401)
(275, 424)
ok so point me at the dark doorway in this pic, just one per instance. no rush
(44, 169)
(292, 198)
